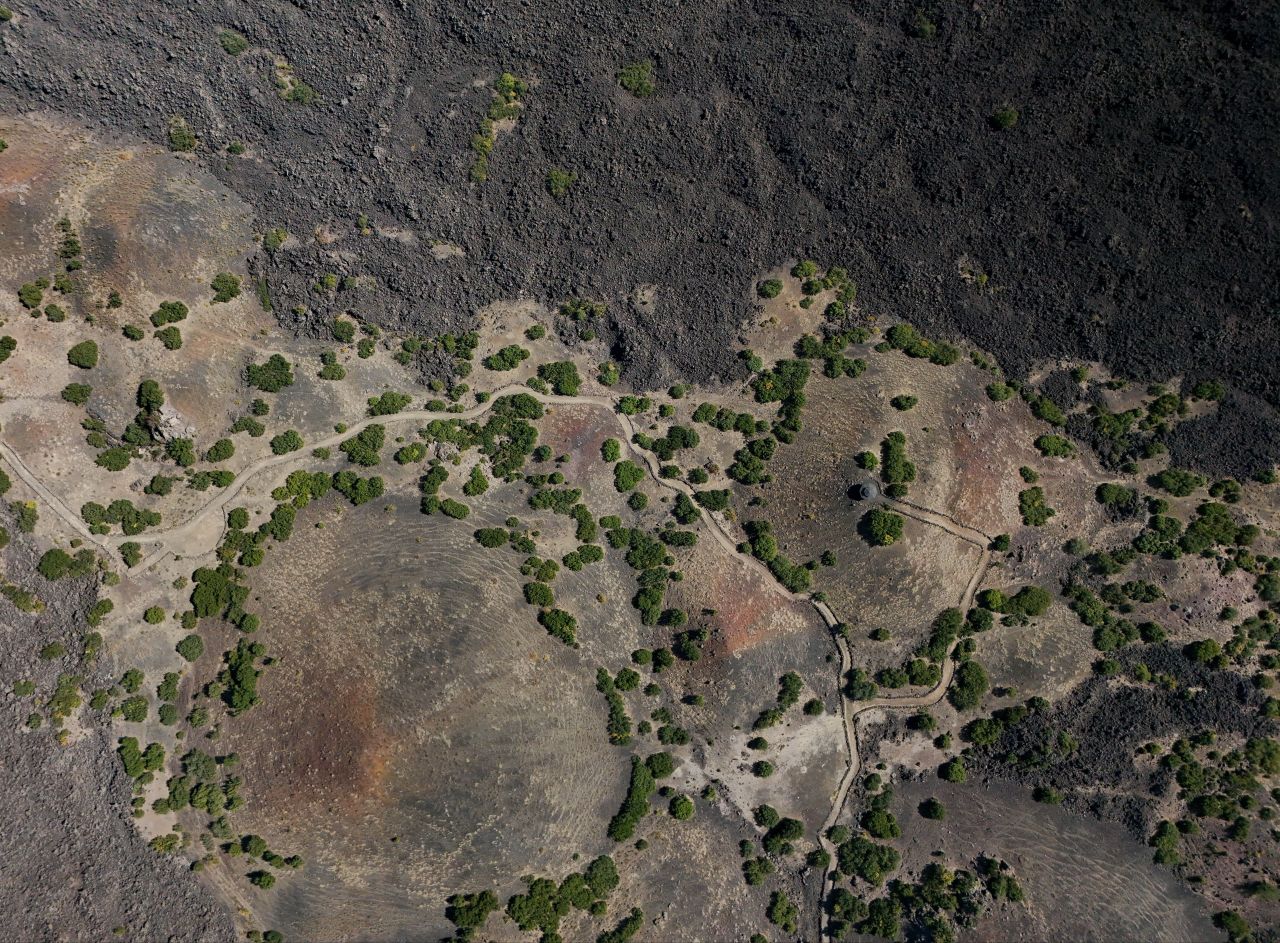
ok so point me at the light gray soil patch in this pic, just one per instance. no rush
(1084, 879)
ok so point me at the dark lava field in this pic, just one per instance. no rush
(1130, 215)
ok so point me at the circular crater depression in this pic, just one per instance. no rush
(420, 733)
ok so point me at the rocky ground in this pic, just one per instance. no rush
(1128, 217)
(85, 870)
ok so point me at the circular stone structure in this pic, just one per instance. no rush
(866, 491)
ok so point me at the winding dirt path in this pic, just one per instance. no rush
(35, 484)
(938, 519)
(196, 530)
(853, 710)
(202, 532)
(196, 537)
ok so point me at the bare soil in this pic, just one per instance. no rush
(425, 735)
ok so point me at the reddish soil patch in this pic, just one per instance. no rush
(577, 431)
(982, 477)
(748, 612)
(332, 752)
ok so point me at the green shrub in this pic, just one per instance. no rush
(57, 563)
(880, 823)
(134, 709)
(343, 331)
(782, 912)
(191, 647)
(610, 450)
(389, 403)
(363, 448)
(331, 369)
(953, 771)
(559, 181)
(358, 490)
(83, 355)
(1044, 408)
(250, 425)
(633, 405)
(637, 78)
(454, 509)
(477, 484)
(170, 336)
(626, 475)
(1004, 117)
(31, 295)
(181, 451)
(1178, 482)
(903, 403)
(1055, 446)
(769, 288)
(1035, 511)
(225, 287)
(717, 500)
(220, 451)
(931, 808)
(114, 459)
(882, 527)
(635, 804)
(181, 138)
(77, 393)
(562, 376)
(508, 358)
(1235, 926)
(896, 470)
(411, 453)
(538, 594)
(468, 912)
(559, 624)
(1228, 489)
(169, 312)
(272, 376)
(755, 870)
(298, 92)
(285, 442)
(968, 686)
(781, 834)
(1209, 389)
(232, 42)
(1118, 497)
